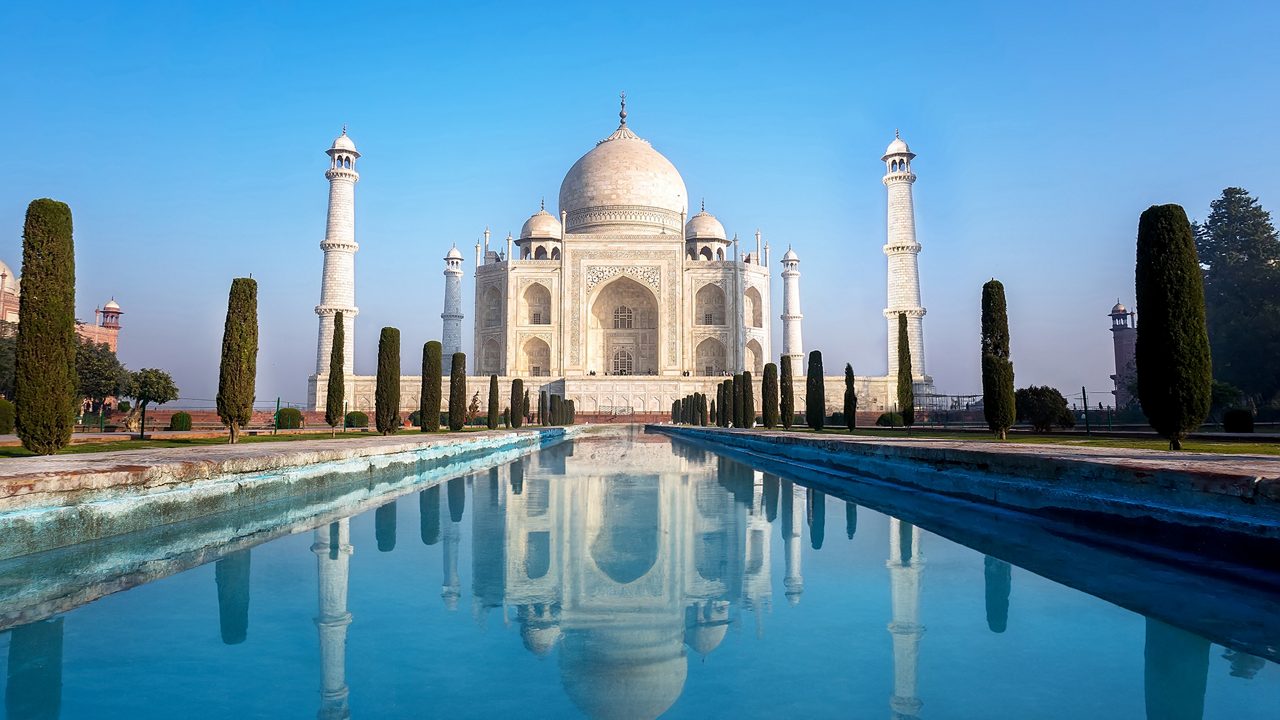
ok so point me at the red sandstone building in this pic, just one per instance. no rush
(105, 327)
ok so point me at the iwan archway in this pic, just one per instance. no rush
(622, 333)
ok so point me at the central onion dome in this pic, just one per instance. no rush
(623, 187)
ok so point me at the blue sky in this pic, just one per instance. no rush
(189, 138)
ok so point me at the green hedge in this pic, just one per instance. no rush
(889, 419)
(6, 417)
(289, 419)
(357, 419)
(180, 421)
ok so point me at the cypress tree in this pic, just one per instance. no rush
(517, 403)
(526, 404)
(429, 405)
(555, 410)
(906, 391)
(786, 394)
(850, 398)
(735, 401)
(748, 400)
(675, 412)
(239, 366)
(702, 409)
(45, 350)
(494, 410)
(998, 404)
(719, 404)
(769, 396)
(711, 414)
(458, 392)
(542, 408)
(815, 393)
(386, 396)
(335, 395)
(1172, 352)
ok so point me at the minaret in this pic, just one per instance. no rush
(338, 285)
(791, 317)
(1124, 336)
(333, 550)
(451, 335)
(902, 249)
(906, 562)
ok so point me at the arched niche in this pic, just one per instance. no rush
(623, 325)
(708, 305)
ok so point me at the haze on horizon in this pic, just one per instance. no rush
(190, 143)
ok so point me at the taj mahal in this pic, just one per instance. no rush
(622, 300)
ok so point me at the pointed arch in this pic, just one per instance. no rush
(537, 305)
(753, 308)
(708, 305)
(709, 358)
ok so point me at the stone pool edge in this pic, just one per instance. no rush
(1189, 495)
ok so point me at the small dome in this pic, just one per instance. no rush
(343, 142)
(453, 254)
(112, 306)
(897, 147)
(704, 226)
(541, 225)
(1119, 309)
(790, 255)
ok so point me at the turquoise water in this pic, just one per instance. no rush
(630, 577)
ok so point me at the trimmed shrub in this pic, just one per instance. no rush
(889, 419)
(786, 393)
(415, 418)
(518, 399)
(357, 419)
(337, 389)
(180, 421)
(1237, 420)
(495, 411)
(735, 387)
(239, 367)
(998, 405)
(289, 419)
(748, 400)
(906, 387)
(45, 401)
(543, 419)
(429, 398)
(386, 394)
(6, 417)
(1171, 356)
(458, 391)
(1044, 408)
(769, 396)
(124, 406)
(556, 418)
(850, 415)
(815, 395)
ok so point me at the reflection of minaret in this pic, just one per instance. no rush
(333, 550)
(231, 574)
(429, 515)
(34, 686)
(452, 589)
(1175, 672)
(757, 581)
(999, 580)
(793, 512)
(384, 526)
(817, 510)
(850, 518)
(771, 483)
(488, 544)
(906, 563)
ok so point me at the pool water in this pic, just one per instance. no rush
(629, 576)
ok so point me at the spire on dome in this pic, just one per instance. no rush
(542, 204)
(704, 204)
(622, 114)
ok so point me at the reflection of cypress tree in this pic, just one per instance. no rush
(850, 518)
(232, 575)
(384, 526)
(771, 497)
(429, 515)
(787, 501)
(334, 538)
(493, 487)
(999, 582)
(904, 541)
(517, 477)
(1243, 665)
(34, 685)
(817, 517)
(1176, 670)
(457, 499)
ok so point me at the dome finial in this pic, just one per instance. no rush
(542, 204)
(704, 204)
(896, 134)
(622, 114)
(344, 128)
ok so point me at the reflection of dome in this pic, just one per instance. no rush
(540, 638)
(623, 185)
(542, 225)
(623, 673)
(704, 226)
(706, 625)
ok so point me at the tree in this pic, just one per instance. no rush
(45, 350)
(815, 393)
(147, 386)
(555, 410)
(239, 368)
(906, 388)
(748, 400)
(429, 403)
(473, 410)
(458, 391)
(722, 410)
(336, 394)
(735, 387)
(99, 373)
(711, 413)
(769, 396)
(998, 405)
(493, 403)
(518, 399)
(850, 398)
(1044, 408)
(526, 405)
(1239, 254)
(787, 401)
(675, 412)
(386, 395)
(1175, 376)
(703, 410)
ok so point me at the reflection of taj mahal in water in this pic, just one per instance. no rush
(623, 566)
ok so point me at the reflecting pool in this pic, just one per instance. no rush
(624, 575)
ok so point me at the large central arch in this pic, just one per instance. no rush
(622, 333)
